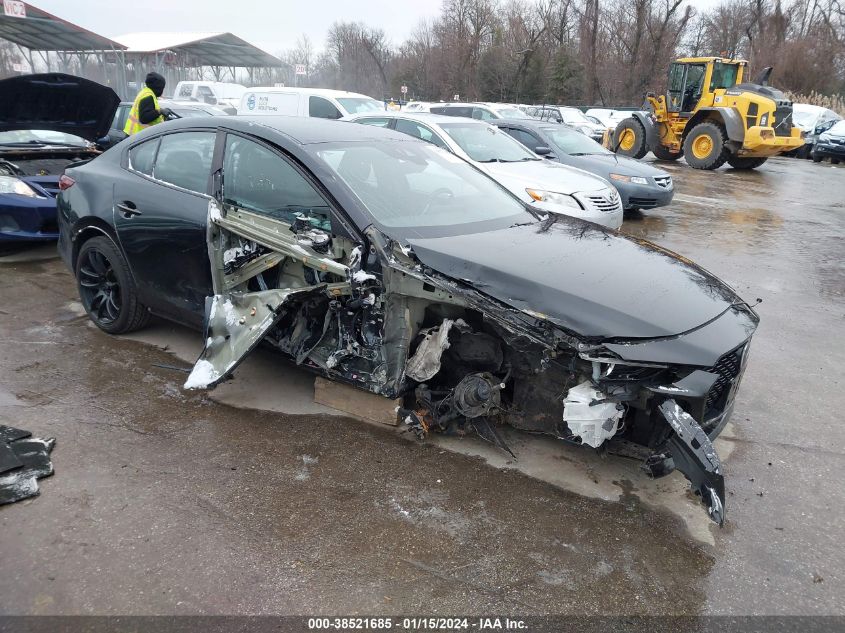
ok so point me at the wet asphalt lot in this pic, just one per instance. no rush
(170, 502)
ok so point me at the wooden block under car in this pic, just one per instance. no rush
(355, 402)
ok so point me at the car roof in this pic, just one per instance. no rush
(302, 130)
(532, 123)
(325, 92)
(422, 117)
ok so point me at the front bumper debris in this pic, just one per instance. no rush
(693, 454)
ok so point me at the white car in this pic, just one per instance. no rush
(216, 93)
(480, 111)
(813, 120)
(609, 118)
(547, 186)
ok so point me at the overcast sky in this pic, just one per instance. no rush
(273, 26)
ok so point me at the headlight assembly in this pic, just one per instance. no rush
(638, 180)
(11, 184)
(551, 197)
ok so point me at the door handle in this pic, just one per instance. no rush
(128, 209)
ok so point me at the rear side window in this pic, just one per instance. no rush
(377, 122)
(322, 108)
(184, 160)
(260, 180)
(141, 157)
(414, 129)
(457, 111)
(482, 114)
(529, 140)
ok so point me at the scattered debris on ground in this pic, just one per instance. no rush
(23, 461)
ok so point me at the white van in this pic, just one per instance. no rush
(224, 95)
(310, 102)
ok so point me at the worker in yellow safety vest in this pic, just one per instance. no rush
(145, 110)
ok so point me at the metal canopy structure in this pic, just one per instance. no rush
(42, 31)
(200, 49)
(124, 61)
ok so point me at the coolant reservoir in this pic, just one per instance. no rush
(593, 423)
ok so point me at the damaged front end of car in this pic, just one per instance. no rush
(376, 315)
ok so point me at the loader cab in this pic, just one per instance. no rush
(692, 83)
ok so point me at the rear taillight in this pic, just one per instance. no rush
(66, 182)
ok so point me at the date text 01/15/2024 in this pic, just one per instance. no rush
(416, 624)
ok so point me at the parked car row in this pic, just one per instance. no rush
(548, 166)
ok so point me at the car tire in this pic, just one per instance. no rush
(629, 139)
(805, 151)
(738, 162)
(107, 289)
(834, 161)
(705, 146)
(661, 153)
(816, 158)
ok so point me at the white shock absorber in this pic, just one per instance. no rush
(589, 418)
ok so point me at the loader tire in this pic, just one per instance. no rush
(738, 162)
(629, 139)
(705, 146)
(661, 153)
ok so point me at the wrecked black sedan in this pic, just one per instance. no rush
(391, 265)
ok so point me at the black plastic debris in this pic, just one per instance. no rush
(23, 461)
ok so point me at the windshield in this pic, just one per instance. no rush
(421, 189)
(574, 116)
(40, 137)
(573, 142)
(487, 144)
(359, 105)
(838, 129)
(804, 118)
(187, 114)
(511, 113)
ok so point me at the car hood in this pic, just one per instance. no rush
(545, 175)
(605, 164)
(591, 281)
(58, 102)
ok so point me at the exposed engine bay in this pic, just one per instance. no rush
(461, 361)
(41, 162)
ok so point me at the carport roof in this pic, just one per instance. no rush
(42, 31)
(208, 49)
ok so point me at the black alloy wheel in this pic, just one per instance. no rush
(106, 288)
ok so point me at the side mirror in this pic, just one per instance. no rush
(542, 150)
(111, 139)
(211, 100)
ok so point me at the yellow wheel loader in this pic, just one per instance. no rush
(709, 116)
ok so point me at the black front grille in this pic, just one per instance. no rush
(728, 369)
(783, 121)
(50, 226)
(642, 203)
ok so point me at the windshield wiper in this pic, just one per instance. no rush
(35, 143)
(492, 160)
